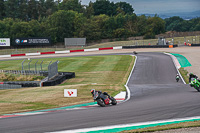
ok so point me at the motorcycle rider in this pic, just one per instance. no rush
(177, 77)
(191, 75)
(100, 92)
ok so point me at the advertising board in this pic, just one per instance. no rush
(4, 42)
(75, 41)
(32, 41)
(70, 92)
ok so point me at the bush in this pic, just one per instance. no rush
(17, 77)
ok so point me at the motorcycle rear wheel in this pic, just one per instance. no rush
(197, 88)
(101, 102)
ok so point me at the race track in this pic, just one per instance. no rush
(155, 95)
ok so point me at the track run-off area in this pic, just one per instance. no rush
(154, 97)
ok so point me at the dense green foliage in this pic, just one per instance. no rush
(98, 20)
(178, 24)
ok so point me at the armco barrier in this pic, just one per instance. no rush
(8, 86)
(23, 83)
(148, 46)
(53, 52)
(59, 79)
(13, 55)
(87, 50)
(62, 76)
(195, 45)
(61, 52)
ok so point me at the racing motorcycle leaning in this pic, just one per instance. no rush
(103, 100)
(195, 83)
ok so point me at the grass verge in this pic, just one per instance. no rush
(166, 127)
(105, 73)
(184, 74)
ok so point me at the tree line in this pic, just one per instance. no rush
(101, 19)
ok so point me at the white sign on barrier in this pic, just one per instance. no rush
(70, 92)
(4, 41)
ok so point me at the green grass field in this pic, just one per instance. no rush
(105, 73)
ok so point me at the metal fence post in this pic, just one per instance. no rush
(49, 67)
(23, 64)
(29, 64)
(36, 66)
(41, 65)
(192, 40)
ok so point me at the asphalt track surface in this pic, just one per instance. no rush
(155, 95)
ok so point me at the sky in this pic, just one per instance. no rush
(160, 6)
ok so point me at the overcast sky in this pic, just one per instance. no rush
(160, 6)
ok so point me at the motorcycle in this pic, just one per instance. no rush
(177, 79)
(195, 83)
(103, 100)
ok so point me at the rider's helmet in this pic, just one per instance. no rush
(92, 91)
(191, 73)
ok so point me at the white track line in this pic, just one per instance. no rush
(127, 89)
(97, 129)
(176, 67)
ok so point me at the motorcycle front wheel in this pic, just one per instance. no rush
(198, 88)
(101, 102)
(114, 102)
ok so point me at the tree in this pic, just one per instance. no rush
(60, 25)
(125, 7)
(131, 23)
(109, 26)
(21, 29)
(50, 7)
(12, 8)
(94, 27)
(74, 5)
(36, 28)
(41, 9)
(104, 7)
(89, 10)
(156, 25)
(2, 9)
(141, 25)
(120, 20)
(8, 23)
(2, 29)
(23, 10)
(32, 9)
(120, 33)
(194, 24)
(197, 27)
(79, 25)
(173, 23)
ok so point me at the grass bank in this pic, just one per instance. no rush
(168, 128)
(105, 73)
(184, 74)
